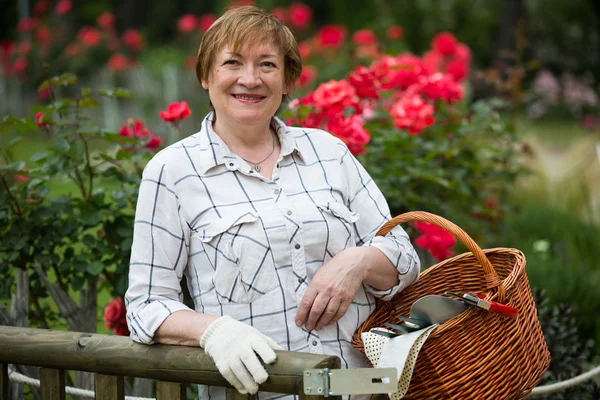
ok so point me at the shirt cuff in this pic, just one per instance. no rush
(403, 256)
(149, 316)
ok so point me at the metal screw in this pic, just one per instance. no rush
(307, 389)
(307, 373)
(320, 374)
(320, 390)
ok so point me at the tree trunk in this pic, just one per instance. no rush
(20, 317)
(80, 319)
(512, 15)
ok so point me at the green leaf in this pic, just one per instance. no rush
(16, 166)
(15, 141)
(118, 93)
(39, 156)
(95, 268)
(62, 145)
(88, 102)
(89, 240)
(85, 92)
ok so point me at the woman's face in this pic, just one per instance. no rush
(246, 88)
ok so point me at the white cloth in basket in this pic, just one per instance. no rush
(400, 352)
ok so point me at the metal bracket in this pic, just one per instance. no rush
(334, 382)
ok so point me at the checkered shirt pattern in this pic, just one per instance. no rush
(249, 246)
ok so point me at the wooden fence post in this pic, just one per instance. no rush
(52, 383)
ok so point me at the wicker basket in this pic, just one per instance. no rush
(475, 355)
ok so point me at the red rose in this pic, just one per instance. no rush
(153, 143)
(89, 36)
(364, 37)
(187, 23)
(63, 7)
(334, 96)
(307, 76)
(365, 83)
(115, 317)
(118, 62)
(26, 24)
(440, 86)
(412, 113)
(304, 48)
(331, 36)
(41, 7)
(300, 15)
(280, 13)
(350, 130)
(395, 32)
(133, 39)
(445, 43)
(176, 112)
(205, 21)
(435, 240)
(40, 121)
(106, 20)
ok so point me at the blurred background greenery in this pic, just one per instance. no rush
(540, 58)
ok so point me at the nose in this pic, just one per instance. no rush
(250, 77)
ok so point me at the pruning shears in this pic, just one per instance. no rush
(477, 300)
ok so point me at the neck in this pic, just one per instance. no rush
(245, 136)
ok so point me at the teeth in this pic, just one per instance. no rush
(246, 97)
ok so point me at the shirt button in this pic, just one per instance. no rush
(314, 343)
(289, 212)
(297, 246)
(300, 280)
(276, 191)
(231, 164)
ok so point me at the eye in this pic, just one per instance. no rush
(269, 64)
(231, 62)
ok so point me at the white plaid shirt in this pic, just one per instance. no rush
(249, 246)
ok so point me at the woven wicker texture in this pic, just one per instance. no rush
(475, 355)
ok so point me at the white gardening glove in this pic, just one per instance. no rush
(234, 346)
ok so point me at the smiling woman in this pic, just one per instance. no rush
(273, 226)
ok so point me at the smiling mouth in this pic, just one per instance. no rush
(248, 97)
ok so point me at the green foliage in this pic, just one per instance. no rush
(568, 351)
(79, 238)
(460, 168)
(562, 257)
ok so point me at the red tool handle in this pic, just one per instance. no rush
(501, 309)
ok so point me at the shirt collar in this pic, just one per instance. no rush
(219, 153)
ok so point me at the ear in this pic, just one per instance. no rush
(205, 84)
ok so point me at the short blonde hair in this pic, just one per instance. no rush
(238, 25)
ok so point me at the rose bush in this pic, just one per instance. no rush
(77, 242)
(412, 126)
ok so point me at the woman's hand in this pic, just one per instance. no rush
(336, 283)
(332, 289)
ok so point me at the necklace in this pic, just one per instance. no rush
(256, 165)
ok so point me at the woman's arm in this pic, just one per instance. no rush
(183, 328)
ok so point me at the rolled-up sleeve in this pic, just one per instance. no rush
(365, 198)
(158, 255)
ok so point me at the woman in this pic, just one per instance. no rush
(272, 226)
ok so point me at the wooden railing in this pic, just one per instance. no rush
(112, 358)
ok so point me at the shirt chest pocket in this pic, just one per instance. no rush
(238, 250)
(339, 232)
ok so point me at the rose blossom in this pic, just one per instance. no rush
(412, 113)
(435, 240)
(364, 37)
(187, 23)
(445, 43)
(365, 83)
(115, 317)
(300, 15)
(331, 36)
(176, 112)
(334, 96)
(350, 130)
(440, 86)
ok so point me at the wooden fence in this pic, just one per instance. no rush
(112, 358)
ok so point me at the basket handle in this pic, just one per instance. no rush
(493, 281)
